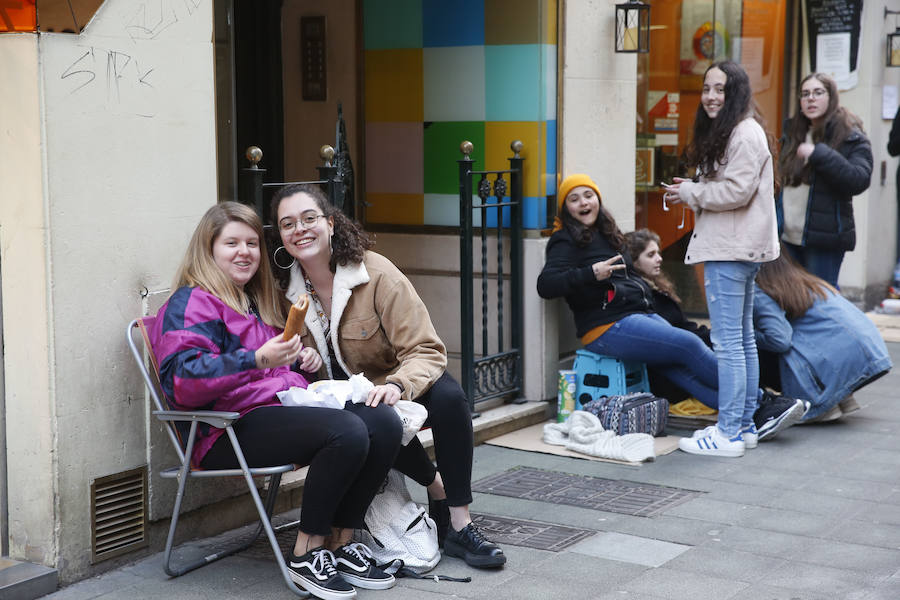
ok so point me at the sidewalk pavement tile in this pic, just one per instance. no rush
(726, 563)
(674, 583)
(629, 549)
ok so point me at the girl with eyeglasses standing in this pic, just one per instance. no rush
(825, 160)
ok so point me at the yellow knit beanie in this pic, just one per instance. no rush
(568, 184)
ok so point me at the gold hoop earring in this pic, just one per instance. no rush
(279, 265)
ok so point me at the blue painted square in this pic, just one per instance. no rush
(456, 23)
(513, 82)
(490, 214)
(534, 212)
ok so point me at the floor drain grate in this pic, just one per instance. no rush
(530, 534)
(625, 497)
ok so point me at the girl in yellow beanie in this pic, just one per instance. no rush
(588, 264)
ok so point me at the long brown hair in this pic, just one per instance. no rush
(637, 241)
(792, 287)
(837, 124)
(709, 141)
(199, 269)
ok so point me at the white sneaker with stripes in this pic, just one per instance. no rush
(713, 442)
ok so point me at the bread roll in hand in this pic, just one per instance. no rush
(295, 318)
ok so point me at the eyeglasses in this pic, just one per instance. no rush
(305, 222)
(816, 93)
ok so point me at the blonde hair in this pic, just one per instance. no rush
(199, 269)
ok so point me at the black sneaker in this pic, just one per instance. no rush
(315, 572)
(356, 564)
(471, 546)
(439, 511)
(776, 413)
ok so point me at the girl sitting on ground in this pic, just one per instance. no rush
(775, 412)
(826, 348)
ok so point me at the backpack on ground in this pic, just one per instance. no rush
(398, 529)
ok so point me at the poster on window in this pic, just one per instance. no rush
(708, 30)
(834, 30)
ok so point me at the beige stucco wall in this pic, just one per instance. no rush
(30, 414)
(599, 106)
(124, 170)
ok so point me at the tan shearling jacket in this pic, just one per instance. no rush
(379, 327)
(735, 210)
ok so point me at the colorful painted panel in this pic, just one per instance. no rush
(439, 73)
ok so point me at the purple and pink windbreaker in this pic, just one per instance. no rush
(207, 360)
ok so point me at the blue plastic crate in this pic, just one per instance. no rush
(597, 375)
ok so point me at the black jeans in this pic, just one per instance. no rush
(451, 425)
(349, 453)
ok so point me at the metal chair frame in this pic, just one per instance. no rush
(185, 471)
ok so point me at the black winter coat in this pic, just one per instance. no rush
(836, 176)
(567, 272)
(893, 146)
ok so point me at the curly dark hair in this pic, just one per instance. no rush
(605, 225)
(837, 125)
(349, 241)
(710, 138)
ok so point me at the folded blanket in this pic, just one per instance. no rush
(582, 432)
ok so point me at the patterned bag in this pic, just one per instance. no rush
(638, 412)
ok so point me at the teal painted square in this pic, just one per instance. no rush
(391, 24)
(453, 79)
(513, 82)
(443, 209)
(456, 23)
(442, 152)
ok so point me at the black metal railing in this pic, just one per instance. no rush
(496, 373)
(253, 185)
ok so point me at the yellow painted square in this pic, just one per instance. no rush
(394, 85)
(549, 9)
(396, 209)
(497, 137)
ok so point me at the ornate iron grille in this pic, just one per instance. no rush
(496, 371)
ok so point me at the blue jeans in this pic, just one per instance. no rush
(678, 354)
(818, 261)
(729, 298)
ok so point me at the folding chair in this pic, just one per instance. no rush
(176, 423)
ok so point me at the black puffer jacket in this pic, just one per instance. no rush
(567, 272)
(836, 176)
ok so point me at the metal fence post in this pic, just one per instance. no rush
(251, 182)
(515, 257)
(467, 310)
(328, 173)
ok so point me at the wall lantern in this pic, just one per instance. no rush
(893, 41)
(633, 27)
